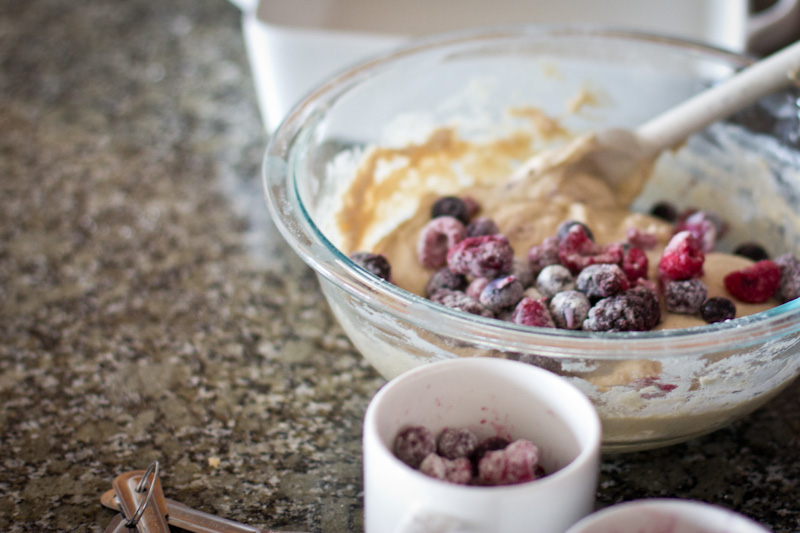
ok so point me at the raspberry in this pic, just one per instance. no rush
(634, 263)
(718, 309)
(501, 293)
(636, 309)
(413, 444)
(457, 442)
(706, 227)
(487, 445)
(516, 463)
(601, 281)
(789, 287)
(683, 257)
(664, 211)
(374, 263)
(569, 309)
(444, 278)
(436, 239)
(565, 226)
(482, 226)
(489, 256)
(685, 296)
(554, 279)
(459, 300)
(641, 239)
(756, 283)
(533, 313)
(576, 250)
(751, 250)
(544, 254)
(455, 471)
(450, 206)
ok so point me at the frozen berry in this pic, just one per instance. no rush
(475, 287)
(521, 269)
(444, 278)
(554, 279)
(543, 254)
(436, 239)
(459, 300)
(473, 207)
(756, 283)
(565, 226)
(641, 239)
(482, 226)
(636, 309)
(374, 263)
(457, 442)
(685, 297)
(450, 206)
(489, 444)
(683, 257)
(601, 281)
(576, 250)
(501, 293)
(705, 226)
(789, 287)
(664, 211)
(531, 312)
(454, 471)
(751, 250)
(516, 463)
(413, 444)
(634, 263)
(489, 256)
(717, 309)
(569, 309)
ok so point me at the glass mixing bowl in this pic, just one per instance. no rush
(651, 388)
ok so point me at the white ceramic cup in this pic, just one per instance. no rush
(490, 397)
(659, 515)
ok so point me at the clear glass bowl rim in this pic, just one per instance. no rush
(297, 227)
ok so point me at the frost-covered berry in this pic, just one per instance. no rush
(665, 211)
(576, 250)
(444, 278)
(436, 239)
(454, 471)
(789, 287)
(456, 442)
(634, 263)
(489, 444)
(641, 239)
(516, 463)
(569, 309)
(718, 309)
(685, 297)
(413, 444)
(482, 226)
(636, 309)
(501, 293)
(459, 300)
(450, 206)
(751, 250)
(705, 226)
(521, 269)
(489, 256)
(565, 226)
(375, 263)
(601, 281)
(756, 283)
(554, 279)
(683, 257)
(543, 254)
(475, 287)
(531, 312)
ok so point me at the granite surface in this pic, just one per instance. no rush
(149, 310)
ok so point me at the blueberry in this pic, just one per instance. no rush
(459, 300)
(664, 211)
(752, 250)
(374, 263)
(482, 226)
(601, 281)
(565, 226)
(451, 206)
(718, 309)
(444, 278)
(569, 309)
(636, 309)
(553, 279)
(501, 293)
(685, 297)
(456, 442)
(413, 444)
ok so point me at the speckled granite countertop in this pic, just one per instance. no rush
(150, 311)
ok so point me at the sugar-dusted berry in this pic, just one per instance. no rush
(456, 442)
(516, 463)
(718, 309)
(601, 281)
(413, 444)
(789, 287)
(374, 263)
(543, 254)
(634, 263)
(451, 206)
(531, 312)
(459, 300)
(569, 309)
(488, 444)
(501, 293)
(457, 471)
(436, 239)
(577, 250)
(683, 257)
(754, 284)
(564, 227)
(641, 239)
(685, 297)
(489, 256)
(481, 226)
(444, 278)
(705, 226)
(636, 309)
(554, 279)
(521, 269)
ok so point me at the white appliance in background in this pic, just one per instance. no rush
(295, 44)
